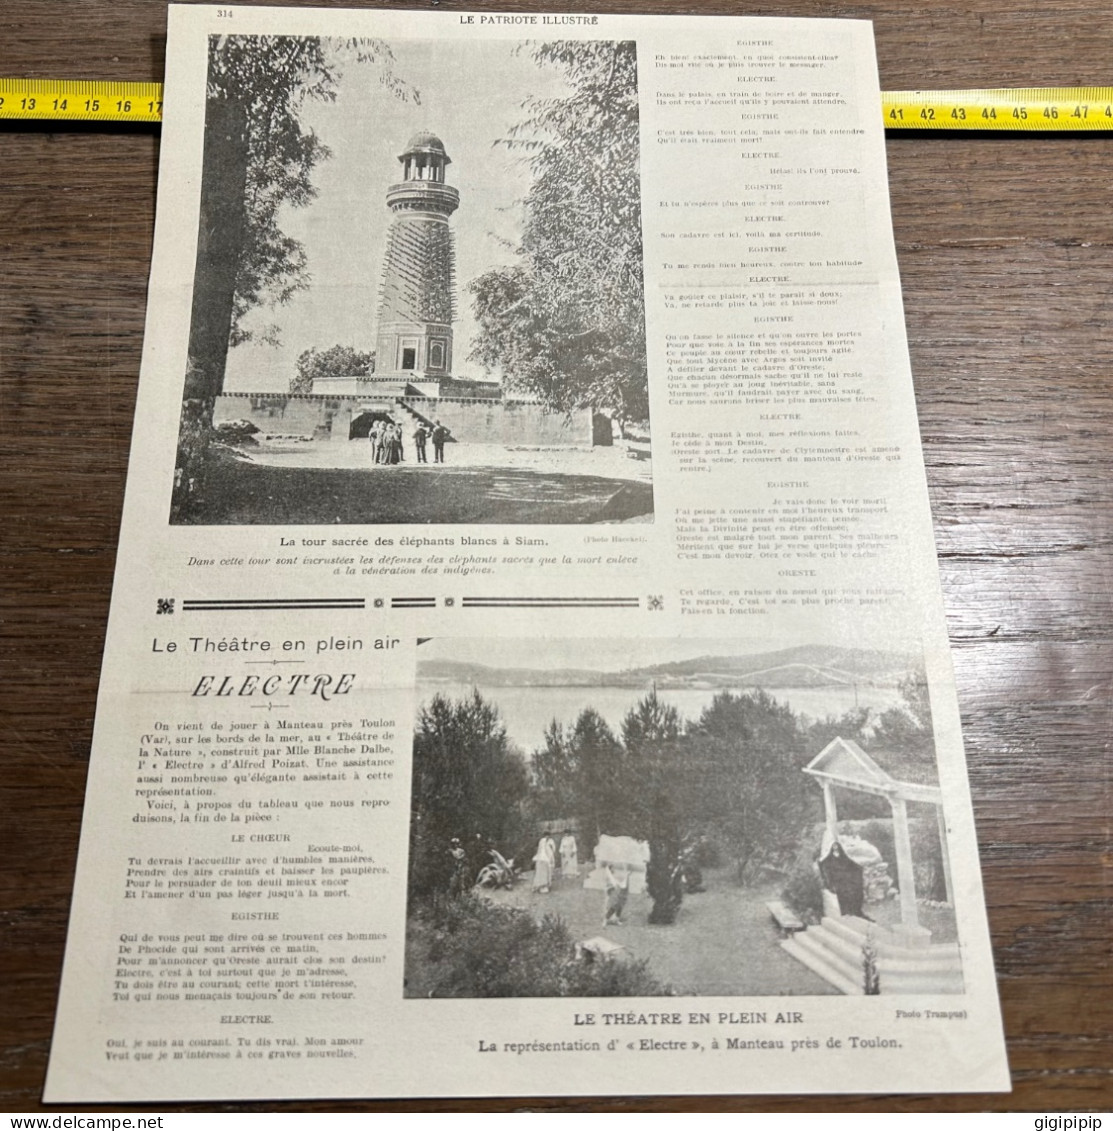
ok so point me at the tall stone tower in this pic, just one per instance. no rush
(417, 302)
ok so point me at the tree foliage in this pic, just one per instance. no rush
(745, 781)
(855, 724)
(473, 949)
(281, 73)
(655, 755)
(259, 158)
(581, 773)
(566, 321)
(601, 789)
(337, 361)
(468, 779)
(906, 731)
(901, 737)
(553, 773)
(662, 873)
(734, 773)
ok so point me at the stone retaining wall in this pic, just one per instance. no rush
(469, 419)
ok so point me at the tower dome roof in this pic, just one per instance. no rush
(425, 142)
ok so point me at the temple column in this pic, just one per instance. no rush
(945, 855)
(906, 879)
(830, 811)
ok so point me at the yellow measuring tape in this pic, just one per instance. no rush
(1058, 108)
(58, 100)
(1048, 108)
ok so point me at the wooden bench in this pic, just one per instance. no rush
(786, 921)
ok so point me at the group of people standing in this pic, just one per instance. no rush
(386, 442)
(545, 861)
(385, 437)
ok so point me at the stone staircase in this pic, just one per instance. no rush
(415, 416)
(833, 950)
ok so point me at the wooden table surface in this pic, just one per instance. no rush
(1006, 253)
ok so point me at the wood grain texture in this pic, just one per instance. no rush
(1006, 254)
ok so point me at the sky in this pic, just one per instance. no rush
(471, 95)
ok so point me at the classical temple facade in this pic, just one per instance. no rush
(848, 948)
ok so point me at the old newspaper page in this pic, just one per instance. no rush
(526, 671)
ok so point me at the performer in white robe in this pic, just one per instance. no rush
(543, 860)
(569, 856)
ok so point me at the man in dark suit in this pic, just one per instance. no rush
(440, 434)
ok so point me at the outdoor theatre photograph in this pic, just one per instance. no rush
(609, 817)
(417, 297)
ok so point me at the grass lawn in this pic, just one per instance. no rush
(238, 492)
(723, 942)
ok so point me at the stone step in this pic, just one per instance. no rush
(817, 959)
(845, 956)
(890, 960)
(847, 952)
(839, 961)
(414, 413)
(856, 930)
(828, 964)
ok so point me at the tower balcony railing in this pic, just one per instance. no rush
(428, 196)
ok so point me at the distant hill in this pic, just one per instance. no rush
(802, 666)
(452, 671)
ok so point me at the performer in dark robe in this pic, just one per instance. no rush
(844, 877)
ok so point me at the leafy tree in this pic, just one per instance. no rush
(744, 777)
(905, 732)
(581, 772)
(853, 724)
(601, 777)
(258, 157)
(655, 750)
(651, 733)
(900, 738)
(468, 779)
(553, 774)
(566, 321)
(339, 361)
(662, 874)
(650, 727)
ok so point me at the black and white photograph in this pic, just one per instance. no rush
(635, 818)
(418, 294)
